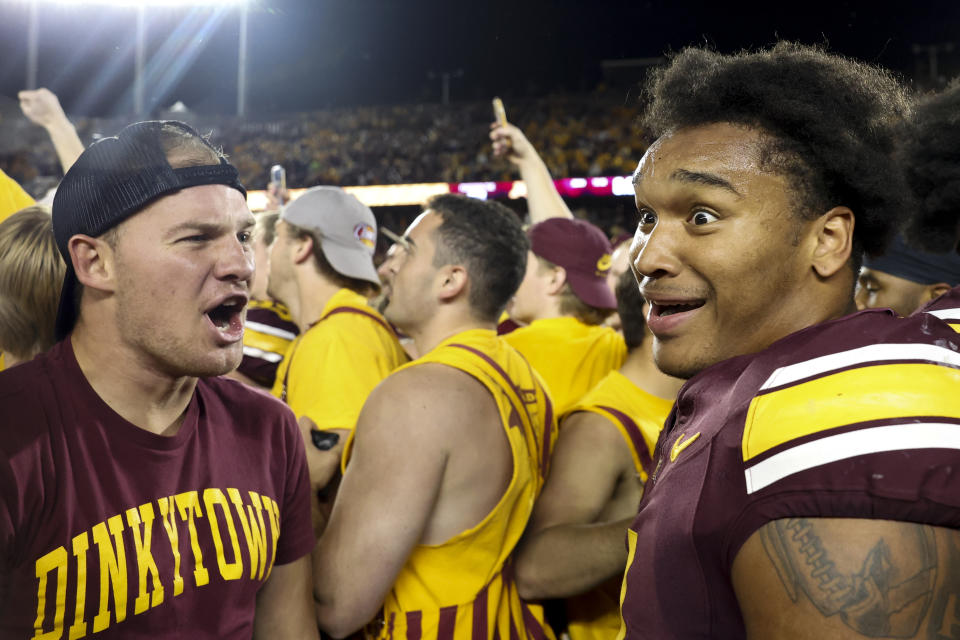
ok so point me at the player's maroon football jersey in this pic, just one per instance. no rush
(946, 307)
(854, 418)
(110, 531)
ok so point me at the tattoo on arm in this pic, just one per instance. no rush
(889, 596)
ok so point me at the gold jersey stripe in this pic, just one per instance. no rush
(265, 342)
(631, 554)
(863, 394)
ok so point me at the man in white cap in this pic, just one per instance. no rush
(321, 269)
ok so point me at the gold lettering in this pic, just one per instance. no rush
(211, 499)
(256, 535)
(55, 560)
(169, 517)
(274, 512)
(113, 570)
(145, 562)
(189, 506)
(81, 544)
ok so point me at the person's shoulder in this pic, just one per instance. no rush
(848, 384)
(268, 317)
(26, 399)
(946, 308)
(243, 403)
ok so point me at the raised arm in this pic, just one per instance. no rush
(576, 536)
(847, 578)
(42, 107)
(543, 200)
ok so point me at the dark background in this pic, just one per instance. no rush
(323, 53)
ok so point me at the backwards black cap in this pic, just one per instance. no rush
(113, 179)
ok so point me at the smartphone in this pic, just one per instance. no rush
(499, 114)
(278, 178)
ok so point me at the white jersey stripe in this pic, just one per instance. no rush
(863, 355)
(270, 331)
(895, 437)
(269, 356)
(946, 314)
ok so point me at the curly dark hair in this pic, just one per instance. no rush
(931, 159)
(832, 125)
(488, 239)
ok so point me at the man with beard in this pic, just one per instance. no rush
(450, 450)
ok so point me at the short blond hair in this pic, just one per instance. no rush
(31, 275)
(571, 304)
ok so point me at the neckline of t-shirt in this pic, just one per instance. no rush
(119, 427)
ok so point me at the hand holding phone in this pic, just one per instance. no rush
(499, 113)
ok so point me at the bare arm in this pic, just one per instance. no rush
(324, 466)
(385, 500)
(283, 604)
(42, 107)
(542, 197)
(846, 578)
(566, 550)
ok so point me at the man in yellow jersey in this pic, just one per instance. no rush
(449, 453)
(564, 298)
(269, 329)
(321, 269)
(602, 459)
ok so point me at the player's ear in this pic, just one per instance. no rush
(832, 238)
(558, 278)
(302, 248)
(94, 262)
(934, 291)
(453, 282)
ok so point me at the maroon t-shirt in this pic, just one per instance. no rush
(854, 418)
(111, 531)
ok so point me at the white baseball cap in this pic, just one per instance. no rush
(346, 226)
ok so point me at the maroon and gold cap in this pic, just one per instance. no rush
(583, 250)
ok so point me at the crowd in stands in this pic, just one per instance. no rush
(581, 135)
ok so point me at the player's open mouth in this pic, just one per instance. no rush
(669, 308)
(663, 310)
(668, 315)
(227, 317)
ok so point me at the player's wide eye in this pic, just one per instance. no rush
(703, 217)
(647, 218)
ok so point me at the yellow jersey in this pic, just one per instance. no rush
(571, 356)
(463, 589)
(12, 197)
(331, 368)
(639, 417)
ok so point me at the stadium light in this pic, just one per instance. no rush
(33, 40)
(151, 3)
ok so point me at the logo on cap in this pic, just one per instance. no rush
(366, 234)
(603, 264)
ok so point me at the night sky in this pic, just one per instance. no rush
(320, 53)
